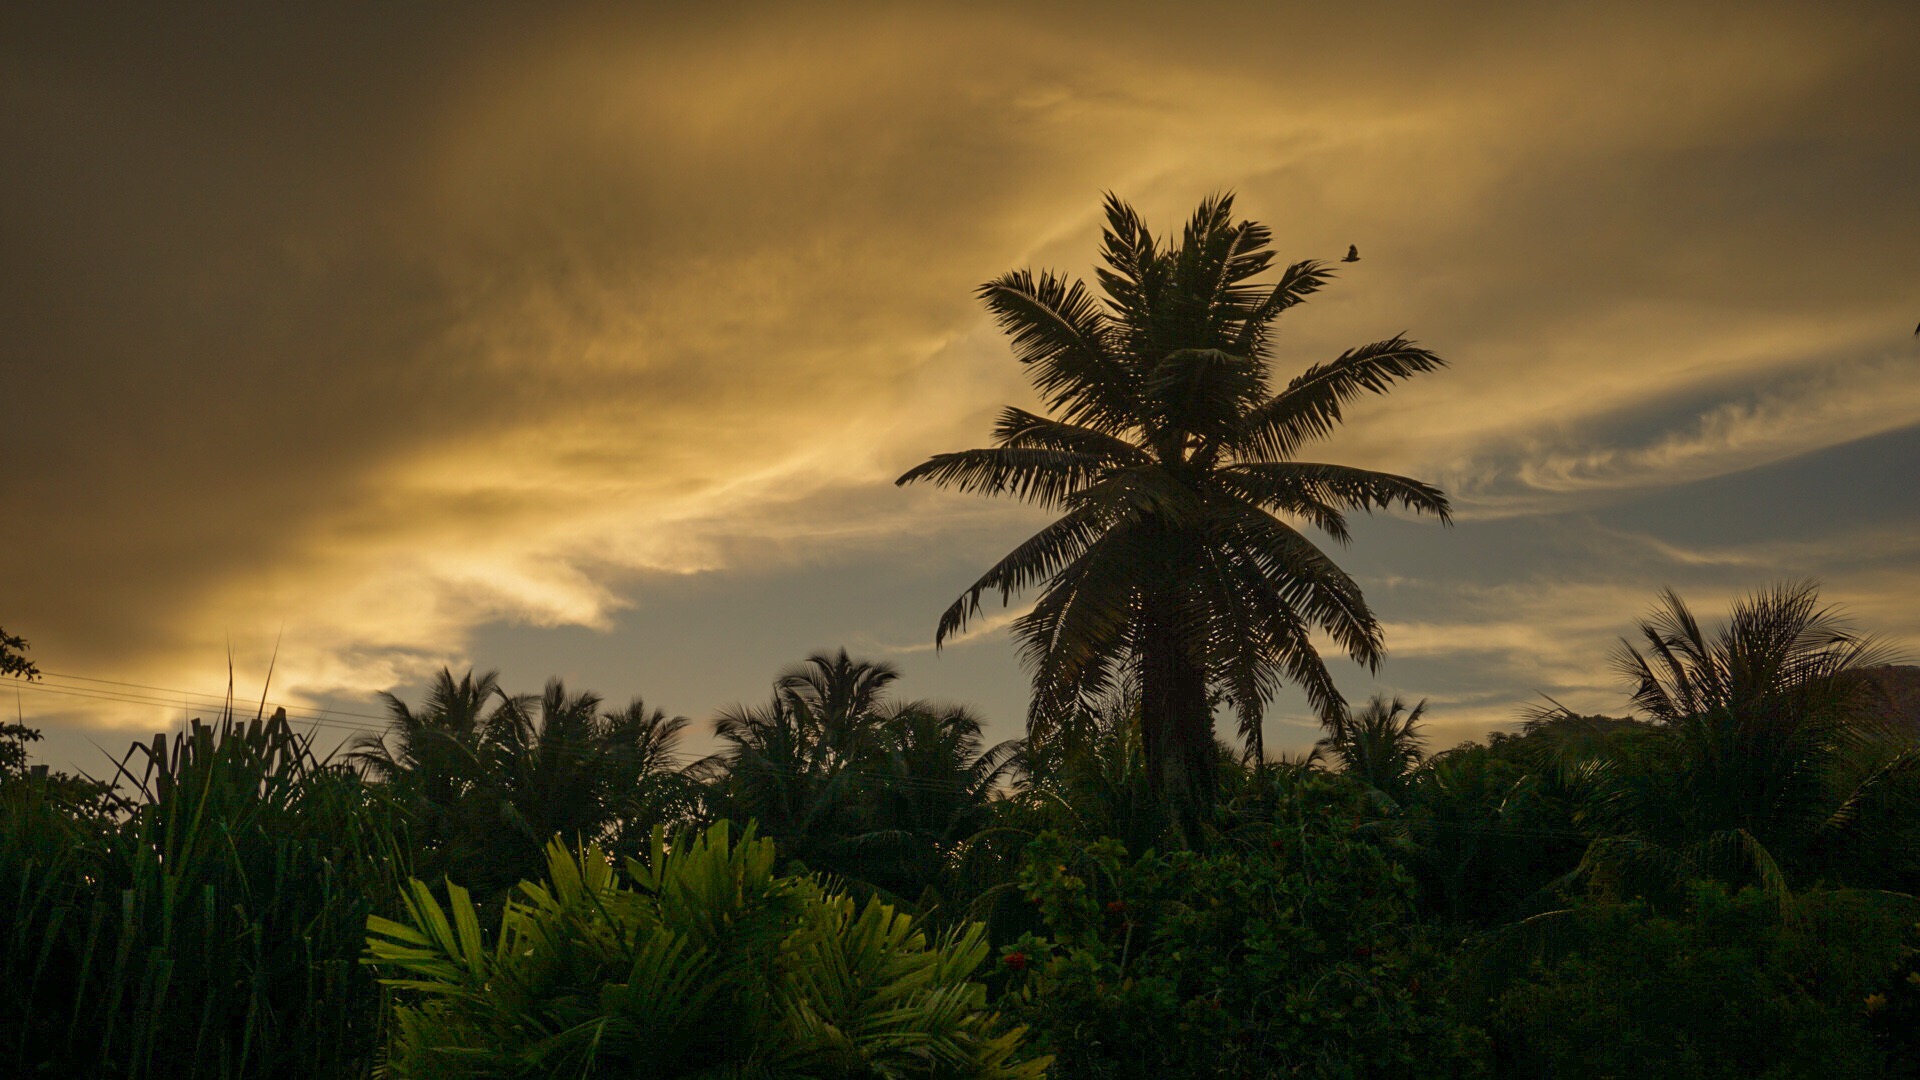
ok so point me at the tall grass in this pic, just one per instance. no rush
(210, 926)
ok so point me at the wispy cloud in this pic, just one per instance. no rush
(574, 298)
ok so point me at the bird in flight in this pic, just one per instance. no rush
(1353, 255)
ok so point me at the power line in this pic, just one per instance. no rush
(217, 699)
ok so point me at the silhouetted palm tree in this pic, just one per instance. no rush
(936, 789)
(491, 777)
(848, 781)
(838, 686)
(433, 753)
(1172, 466)
(561, 767)
(1774, 745)
(1380, 744)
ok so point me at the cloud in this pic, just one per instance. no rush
(384, 327)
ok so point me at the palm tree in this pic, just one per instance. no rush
(561, 767)
(838, 686)
(1173, 469)
(1775, 750)
(800, 765)
(435, 751)
(848, 781)
(492, 777)
(1380, 745)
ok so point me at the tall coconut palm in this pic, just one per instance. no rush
(1174, 469)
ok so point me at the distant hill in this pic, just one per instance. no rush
(1901, 685)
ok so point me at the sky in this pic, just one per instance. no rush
(351, 341)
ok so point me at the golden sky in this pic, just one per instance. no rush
(587, 340)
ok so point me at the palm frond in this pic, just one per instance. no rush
(1279, 483)
(1312, 404)
(1043, 555)
(1059, 333)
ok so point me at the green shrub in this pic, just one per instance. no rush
(1728, 989)
(1289, 954)
(209, 929)
(701, 962)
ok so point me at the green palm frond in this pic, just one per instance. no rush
(695, 961)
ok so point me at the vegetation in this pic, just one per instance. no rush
(1170, 463)
(855, 885)
(1584, 894)
(1724, 988)
(209, 925)
(703, 962)
(13, 659)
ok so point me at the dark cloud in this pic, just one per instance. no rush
(390, 324)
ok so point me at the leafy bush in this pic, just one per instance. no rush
(1728, 989)
(701, 963)
(208, 930)
(1287, 953)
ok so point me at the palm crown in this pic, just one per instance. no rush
(1173, 468)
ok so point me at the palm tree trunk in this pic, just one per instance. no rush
(1176, 726)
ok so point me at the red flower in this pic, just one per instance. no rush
(1362, 951)
(1116, 907)
(1015, 960)
(1279, 845)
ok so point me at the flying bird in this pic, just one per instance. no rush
(1353, 255)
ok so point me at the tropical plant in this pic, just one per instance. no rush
(1380, 744)
(490, 786)
(431, 761)
(211, 929)
(1173, 468)
(1771, 755)
(701, 962)
(1085, 775)
(1287, 951)
(1493, 832)
(559, 767)
(847, 781)
(1720, 989)
(433, 751)
(799, 765)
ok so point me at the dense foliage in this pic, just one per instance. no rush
(702, 962)
(208, 926)
(1581, 895)
(1725, 989)
(1290, 950)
